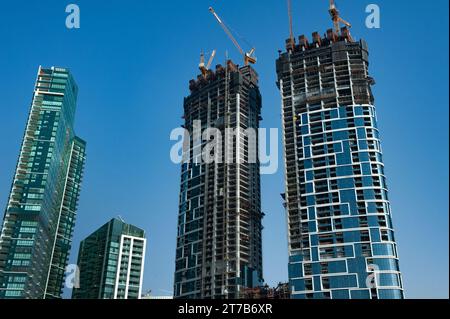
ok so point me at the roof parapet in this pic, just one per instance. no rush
(317, 41)
(211, 75)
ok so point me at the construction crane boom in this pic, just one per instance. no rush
(211, 58)
(205, 68)
(291, 28)
(345, 22)
(336, 18)
(227, 31)
(248, 56)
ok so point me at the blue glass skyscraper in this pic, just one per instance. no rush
(341, 237)
(36, 233)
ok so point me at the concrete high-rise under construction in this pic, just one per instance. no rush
(219, 223)
(341, 238)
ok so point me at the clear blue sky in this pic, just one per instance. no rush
(132, 61)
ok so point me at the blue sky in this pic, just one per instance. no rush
(132, 61)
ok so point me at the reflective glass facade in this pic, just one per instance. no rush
(338, 211)
(38, 223)
(111, 262)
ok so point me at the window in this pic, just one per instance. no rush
(12, 293)
(25, 243)
(307, 269)
(384, 235)
(22, 256)
(363, 222)
(365, 235)
(27, 230)
(324, 268)
(366, 251)
(15, 286)
(308, 284)
(306, 255)
(325, 283)
(382, 221)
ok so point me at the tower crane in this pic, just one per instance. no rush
(248, 56)
(336, 18)
(205, 68)
(291, 28)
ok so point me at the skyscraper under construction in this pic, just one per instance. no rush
(341, 238)
(219, 222)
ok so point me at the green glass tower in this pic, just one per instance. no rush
(111, 262)
(38, 224)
